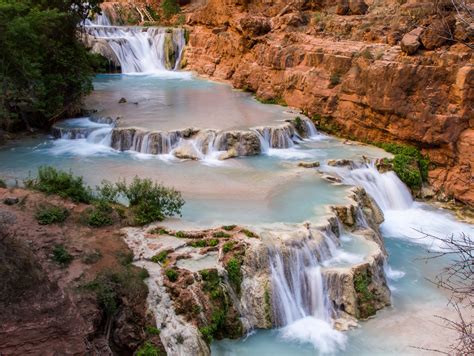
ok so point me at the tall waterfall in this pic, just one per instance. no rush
(138, 49)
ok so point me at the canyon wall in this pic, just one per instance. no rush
(349, 72)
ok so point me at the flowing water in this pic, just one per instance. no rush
(266, 189)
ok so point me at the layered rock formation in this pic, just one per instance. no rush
(350, 70)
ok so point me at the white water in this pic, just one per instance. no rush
(300, 303)
(404, 218)
(139, 49)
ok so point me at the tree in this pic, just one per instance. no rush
(458, 279)
(44, 68)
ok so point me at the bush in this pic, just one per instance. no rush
(213, 242)
(152, 330)
(150, 201)
(51, 214)
(229, 227)
(3, 184)
(248, 233)
(408, 163)
(160, 258)
(228, 246)
(335, 79)
(53, 181)
(100, 215)
(170, 8)
(221, 234)
(234, 273)
(61, 256)
(198, 243)
(172, 275)
(148, 349)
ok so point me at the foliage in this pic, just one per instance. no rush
(150, 201)
(2, 183)
(170, 8)
(212, 242)
(51, 214)
(148, 349)
(408, 163)
(298, 124)
(234, 273)
(160, 258)
(229, 227)
(45, 69)
(152, 330)
(112, 287)
(273, 101)
(100, 215)
(228, 246)
(64, 184)
(248, 233)
(92, 257)
(172, 274)
(61, 256)
(221, 234)
(198, 243)
(365, 297)
(335, 79)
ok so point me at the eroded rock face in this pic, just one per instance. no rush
(366, 89)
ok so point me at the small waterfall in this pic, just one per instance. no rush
(147, 142)
(139, 49)
(386, 189)
(310, 129)
(299, 295)
(276, 137)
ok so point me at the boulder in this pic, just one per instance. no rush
(314, 164)
(10, 201)
(358, 7)
(411, 41)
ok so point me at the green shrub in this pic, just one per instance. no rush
(2, 183)
(273, 101)
(221, 234)
(61, 256)
(159, 231)
(64, 184)
(150, 201)
(248, 233)
(170, 8)
(181, 234)
(160, 258)
(408, 163)
(100, 215)
(335, 79)
(148, 349)
(152, 330)
(298, 122)
(228, 246)
(213, 242)
(198, 243)
(234, 273)
(229, 227)
(172, 275)
(51, 214)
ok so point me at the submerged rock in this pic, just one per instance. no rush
(314, 164)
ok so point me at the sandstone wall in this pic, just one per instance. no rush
(348, 68)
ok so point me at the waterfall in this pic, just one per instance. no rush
(139, 49)
(385, 188)
(276, 137)
(299, 295)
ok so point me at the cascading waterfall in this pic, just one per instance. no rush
(299, 295)
(139, 49)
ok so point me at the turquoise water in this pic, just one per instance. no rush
(252, 190)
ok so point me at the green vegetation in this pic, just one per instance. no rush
(159, 231)
(100, 215)
(148, 349)
(61, 256)
(248, 233)
(365, 297)
(181, 234)
(335, 79)
(152, 330)
(228, 246)
(51, 214)
(367, 54)
(172, 274)
(170, 8)
(273, 101)
(229, 227)
(160, 258)
(198, 243)
(46, 70)
(212, 242)
(221, 234)
(64, 184)
(408, 163)
(298, 124)
(150, 201)
(234, 273)
(92, 257)
(113, 287)
(217, 322)
(2, 183)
